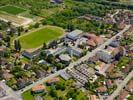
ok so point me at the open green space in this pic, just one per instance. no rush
(27, 95)
(12, 9)
(37, 38)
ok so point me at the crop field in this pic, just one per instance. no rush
(36, 38)
(12, 10)
(16, 20)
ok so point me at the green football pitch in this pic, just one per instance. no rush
(36, 38)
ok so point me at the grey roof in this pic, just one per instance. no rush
(74, 33)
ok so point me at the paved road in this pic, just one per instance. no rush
(121, 86)
(77, 62)
(10, 93)
(112, 16)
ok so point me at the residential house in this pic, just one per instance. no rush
(38, 88)
(26, 66)
(116, 75)
(130, 54)
(114, 44)
(100, 66)
(16, 55)
(92, 97)
(43, 62)
(21, 83)
(112, 51)
(110, 68)
(129, 87)
(9, 66)
(40, 73)
(123, 95)
(91, 43)
(121, 25)
(3, 62)
(101, 89)
(94, 40)
(53, 80)
(6, 75)
(109, 83)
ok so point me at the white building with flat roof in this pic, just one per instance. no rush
(74, 34)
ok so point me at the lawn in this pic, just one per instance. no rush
(36, 38)
(27, 95)
(12, 9)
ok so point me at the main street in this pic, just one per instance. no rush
(121, 86)
(89, 54)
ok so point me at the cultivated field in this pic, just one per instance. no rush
(12, 10)
(36, 38)
(16, 20)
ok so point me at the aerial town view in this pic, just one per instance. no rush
(66, 49)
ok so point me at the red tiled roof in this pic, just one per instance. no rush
(130, 86)
(95, 40)
(110, 68)
(38, 87)
(53, 80)
(101, 89)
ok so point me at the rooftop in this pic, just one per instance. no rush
(38, 87)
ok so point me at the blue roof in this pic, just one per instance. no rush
(27, 55)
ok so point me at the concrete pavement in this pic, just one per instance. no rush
(121, 86)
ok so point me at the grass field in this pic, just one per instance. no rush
(12, 10)
(27, 95)
(37, 38)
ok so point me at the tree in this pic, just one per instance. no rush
(53, 93)
(20, 29)
(1, 43)
(44, 45)
(44, 22)
(8, 44)
(17, 45)
(19, 33)
(7, 39)
(72, 93)
(36, 25)
(9, 23)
